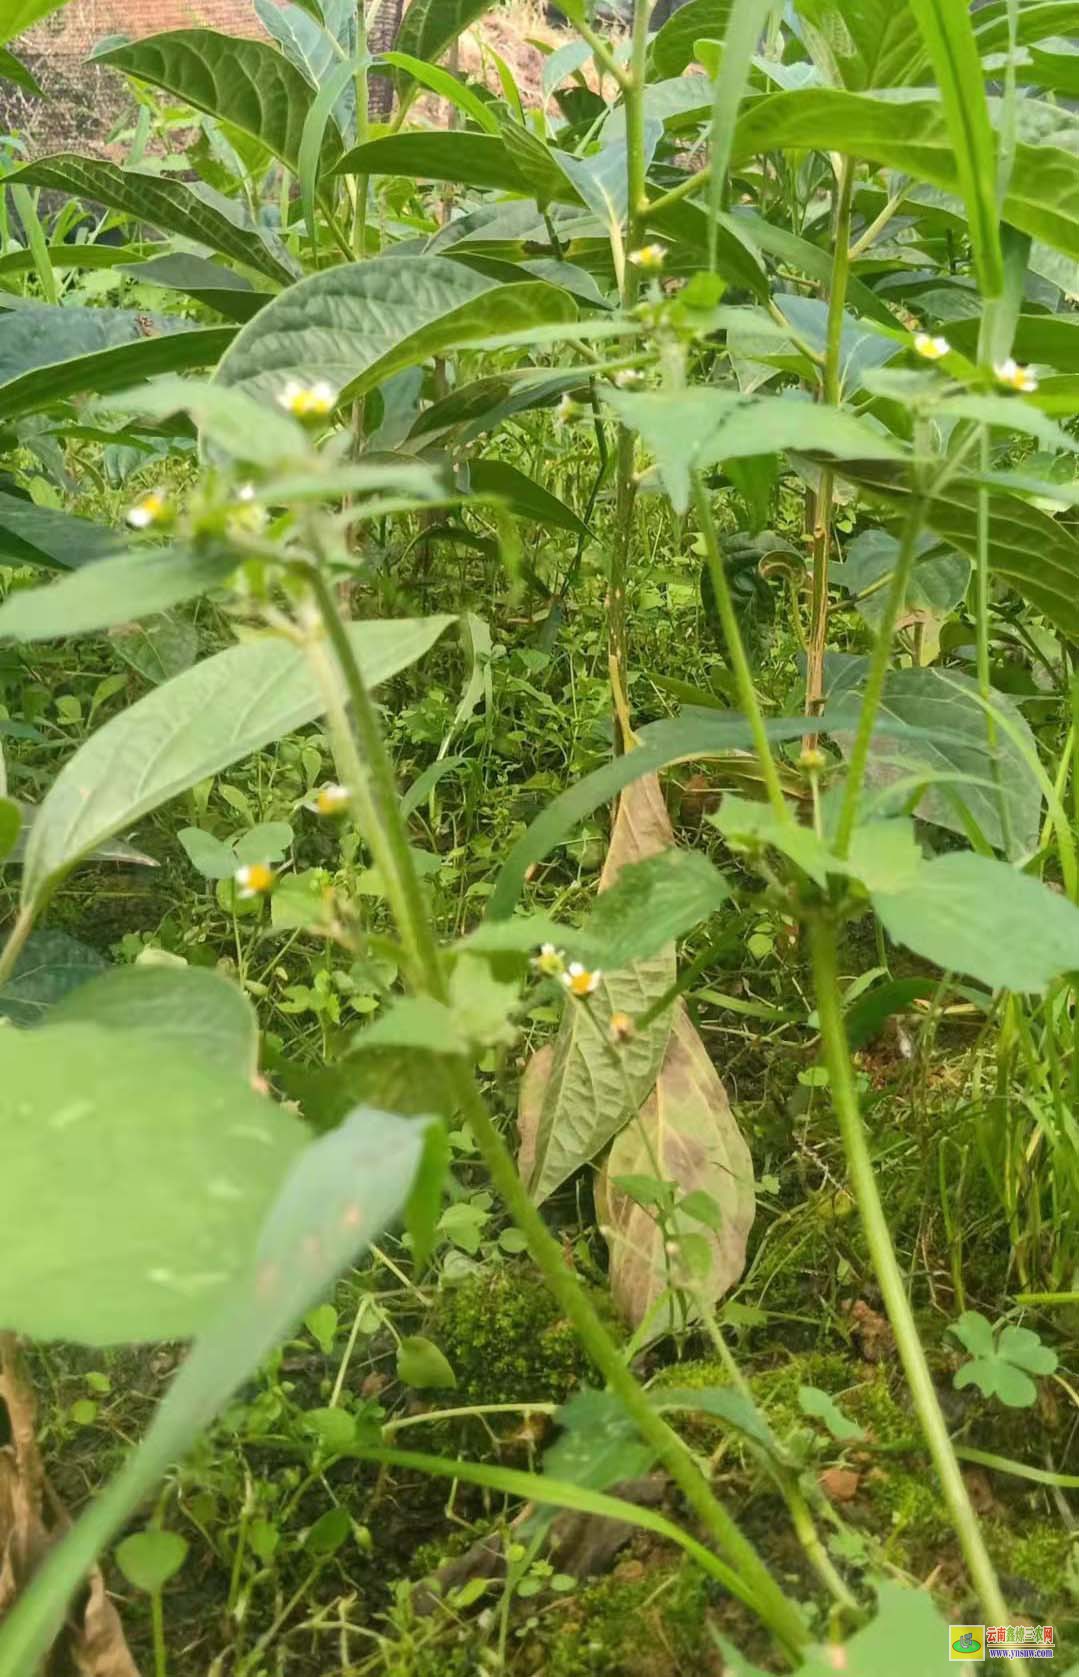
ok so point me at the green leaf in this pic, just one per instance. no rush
(690, 430)
(329, 1532)
(1001, 1367)
(931, 723)
(199, 1011)
(212, 858)
(460, 156)
(228, 419)
(144, 1208)
(822, 1407)
(446, 85)
(215, 713)
(117, 590)
(948, 33)
(148, 1559)
(425, 1199)
(862, 44)
(321, 1324)
(33, 535)
(913, 137)
(340, 1193)
(498, 477)
(355, 325)
(242, 82)
(315, 49)
(415, 1022)
(421, 1364)
(12, 70)
(938, 580)
(429, 27)
(1035, 554)
(10, 824)
(158, 647)
(163, 202)
(974, 915)
(51, 965)
(19, 15)
(654, 902)
(675, 42)
(49, 352)
(339, 79)
(908, 1635)
(208, 282)
(598, 1446)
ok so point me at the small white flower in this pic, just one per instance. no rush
(329, 800)
(628, 378)
(567, 410)
(581, 981)
(246, 492)
(551, 962)
(152, 509)
(1019, 378)
(254, 879)
(308, 401)
(932, 349)
(650, 258)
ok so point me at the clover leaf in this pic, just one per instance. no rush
(1001, 1366)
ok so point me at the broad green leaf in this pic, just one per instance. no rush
(674, 45)
(1036, 22)
(913, 137)
(690, 430)
(1001, 1367)
(339, 79)
(687, 1133)
(598, 1445)
(47, 353)
(194, 1009)
(207, 282)
(653, 903)
(355, 325)
(315, 49)
(948, 33)
(159, 647)
(19, 15)
(1052, 339)
(215, 713)
(149, 1173)
(930, 722)
(51, 966)
(33, 535)
(116, 590)
(524, 494)
(13, 70)
(938, 580)
(338, 1196)
(907, 1636)
(148, 1559)
(10, 823)
(243, 82)
(1035, 554)
(862, 44)
(578, 1094)
(430, 26)
(446, 85)
(745, 27)
(974, 915)
(229, 419)
(460, 156)
(421, 1364)
(156, 199)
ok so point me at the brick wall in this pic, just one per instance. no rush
(85, 102)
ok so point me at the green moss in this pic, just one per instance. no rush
(648, 1623)
(506, 1339)
(1039, 1552)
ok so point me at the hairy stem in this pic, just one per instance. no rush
(863, 1181)
(736, 652)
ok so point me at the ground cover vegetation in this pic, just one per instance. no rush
(540, 723)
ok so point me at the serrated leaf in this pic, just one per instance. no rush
(687, 1131)
(239, 81)
(144, 1208)
(974, 915)
(199, 1011)
(166, 203)
(355, 325)
(215, 713)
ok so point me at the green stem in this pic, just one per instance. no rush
(878, 671)
(736, 652)
(768, 1600)
(157, 1621)
(863, 1181)
(831, 394)
(16, 938)
(985, 685)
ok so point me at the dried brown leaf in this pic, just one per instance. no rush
(686, 1134)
